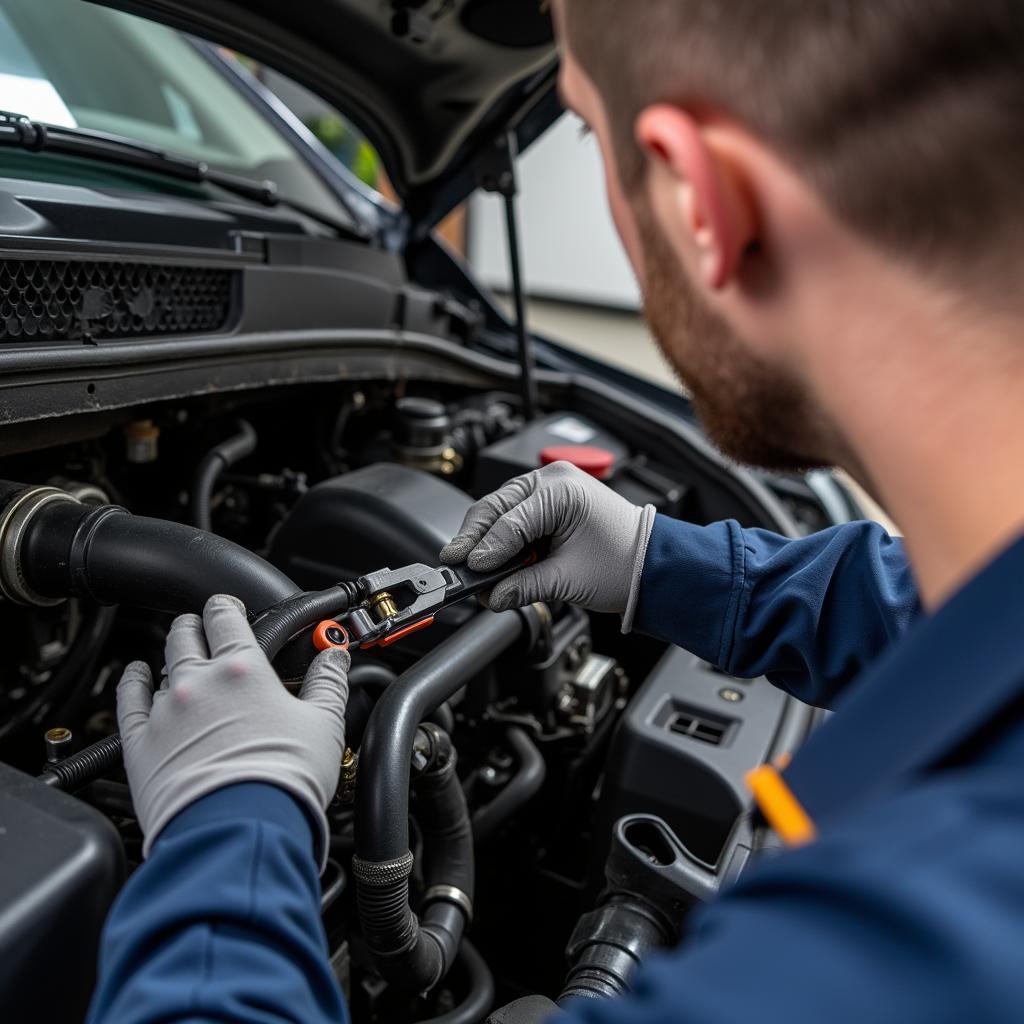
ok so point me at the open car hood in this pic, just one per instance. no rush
(432, 83)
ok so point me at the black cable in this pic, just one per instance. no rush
(275, 627)
(225, 454)
(475, 1007)
(526, 782)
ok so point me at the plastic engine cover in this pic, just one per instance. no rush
(377, 516)
(61, 864)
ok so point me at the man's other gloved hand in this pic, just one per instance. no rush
(221, 716)
(598, 541)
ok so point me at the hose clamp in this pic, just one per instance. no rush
(450, 894)
(378, 873)
(14, 522)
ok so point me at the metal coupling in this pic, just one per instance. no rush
(450, 894)
(14, 523)
(58, 744)
(346, 791)
(383, 605)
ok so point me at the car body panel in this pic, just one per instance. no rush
(432, 100)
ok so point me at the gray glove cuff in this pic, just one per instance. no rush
(643, 539)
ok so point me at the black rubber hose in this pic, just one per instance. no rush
(366, 681)
(443, 818)
(406, 954)
(608, 945)
(225, 454)
(480, 997)
(526, 782)
(109, 556)
(279, 624)
(104, 554)
(382, 806)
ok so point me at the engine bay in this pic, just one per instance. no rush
(551, 778)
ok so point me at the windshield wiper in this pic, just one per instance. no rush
(21, 132)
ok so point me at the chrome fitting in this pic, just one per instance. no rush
(14, 521)
(450, 894)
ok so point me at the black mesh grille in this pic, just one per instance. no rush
(66, 300)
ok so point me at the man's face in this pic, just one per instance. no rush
(753, 410)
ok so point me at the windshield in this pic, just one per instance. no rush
(79, 65)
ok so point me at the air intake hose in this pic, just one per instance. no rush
(53, 547)
(407, 953)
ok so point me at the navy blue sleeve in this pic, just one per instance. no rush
(809, 613)
(222, 922)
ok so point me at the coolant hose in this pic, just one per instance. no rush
(481, 989)
(225, 454)
(526, 782)
(407, 954)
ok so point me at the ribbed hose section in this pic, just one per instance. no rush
(391, 925)
(89, 764)
(382, 799)
(607, 947)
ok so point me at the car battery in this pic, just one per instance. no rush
(577, 440)
(554, 437)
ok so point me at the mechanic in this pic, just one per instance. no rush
(823, 203)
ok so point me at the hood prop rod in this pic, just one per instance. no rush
(498, 174)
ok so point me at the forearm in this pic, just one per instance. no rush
(808, 613)
(222, 922)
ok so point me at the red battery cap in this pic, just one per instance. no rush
(598, 462)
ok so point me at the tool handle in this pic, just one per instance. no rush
(472, 583)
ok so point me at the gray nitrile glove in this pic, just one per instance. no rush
(221, 716)
(598, 541)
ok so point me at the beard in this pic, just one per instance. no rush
(753, 412)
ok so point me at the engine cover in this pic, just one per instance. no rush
(62, 866)
(377, 516)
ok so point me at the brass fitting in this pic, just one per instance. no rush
(347, 779)
(383, 605)
(58, 744)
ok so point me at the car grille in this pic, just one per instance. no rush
(78, 300)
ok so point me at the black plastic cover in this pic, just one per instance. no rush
(61, 864)
(384, 515)
(684, 745)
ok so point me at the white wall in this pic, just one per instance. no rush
(570, 248)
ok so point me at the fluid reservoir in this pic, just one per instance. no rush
(422, 436)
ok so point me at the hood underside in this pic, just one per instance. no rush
(432, 83)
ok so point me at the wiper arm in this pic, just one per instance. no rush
(21, 132)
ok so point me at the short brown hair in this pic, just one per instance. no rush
(907, 115)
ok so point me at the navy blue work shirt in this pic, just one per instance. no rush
(908, 907)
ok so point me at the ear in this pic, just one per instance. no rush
(697, 185)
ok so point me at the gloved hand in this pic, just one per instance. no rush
(598, 541)
(221, 716)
